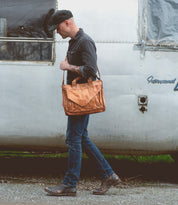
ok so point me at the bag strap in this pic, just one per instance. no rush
(98, 73)
(93, 76)
(63, 77)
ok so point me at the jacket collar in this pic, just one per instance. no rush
(78, 34)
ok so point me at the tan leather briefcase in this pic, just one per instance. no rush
(85, 98)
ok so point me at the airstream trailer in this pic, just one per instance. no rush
(137, 48)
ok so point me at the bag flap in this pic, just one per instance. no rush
(83, 95)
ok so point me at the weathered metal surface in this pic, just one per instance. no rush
(31, 109)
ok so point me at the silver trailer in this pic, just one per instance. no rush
(137, 44)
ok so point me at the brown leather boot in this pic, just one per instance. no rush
(61, 190)
(113, 180)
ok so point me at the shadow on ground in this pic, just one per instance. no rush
(53, 167)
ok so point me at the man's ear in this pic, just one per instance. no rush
(67, 22)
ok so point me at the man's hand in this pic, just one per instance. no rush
(64, 65)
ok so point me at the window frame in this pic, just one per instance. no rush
(32, 40)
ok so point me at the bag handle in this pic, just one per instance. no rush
(81, 77)
(74, 82)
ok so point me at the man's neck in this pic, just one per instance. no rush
(74, 32)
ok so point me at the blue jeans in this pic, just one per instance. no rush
(77, 140)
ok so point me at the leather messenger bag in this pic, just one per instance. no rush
(84, 98)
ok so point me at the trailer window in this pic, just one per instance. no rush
(159, 24)
(23, 36)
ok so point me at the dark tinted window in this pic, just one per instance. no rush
(22, 24)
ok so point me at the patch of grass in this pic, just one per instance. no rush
(29, 154)
(143, 159)
(140, 159)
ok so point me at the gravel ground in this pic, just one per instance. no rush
(22, 182)
(31, 192)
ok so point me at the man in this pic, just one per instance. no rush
(80, 61)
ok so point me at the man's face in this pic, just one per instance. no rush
(62, 29)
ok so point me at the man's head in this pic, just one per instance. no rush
(63, 21)
(57, 18)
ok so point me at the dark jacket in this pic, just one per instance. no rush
(82, 52)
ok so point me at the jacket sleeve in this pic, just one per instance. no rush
(89, 59)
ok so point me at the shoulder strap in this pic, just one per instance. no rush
(98, 74)
(63, 77)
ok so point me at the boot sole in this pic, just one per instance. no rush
(61, 194)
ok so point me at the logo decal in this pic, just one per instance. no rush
(176, 87)
(152, 80)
